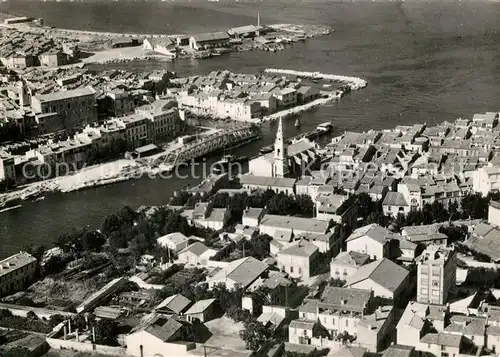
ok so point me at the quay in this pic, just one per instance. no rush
(354, 83)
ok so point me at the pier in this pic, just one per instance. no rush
(354, 83)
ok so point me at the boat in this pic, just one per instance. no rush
(326, 127)
(224, 164)
(10, 208)
(297, 123)
(267, 149)
(39, 199)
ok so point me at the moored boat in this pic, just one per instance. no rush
(327, 126)
(225, 163)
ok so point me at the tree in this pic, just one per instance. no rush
(255, 335)
(55, 320)
(305, 205)
(106, 331)
(111, 224)
(365, 204)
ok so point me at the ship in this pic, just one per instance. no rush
(224, 164)
(326, 127)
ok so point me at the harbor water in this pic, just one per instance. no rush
(424, 62)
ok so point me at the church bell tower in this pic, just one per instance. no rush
(280, 153)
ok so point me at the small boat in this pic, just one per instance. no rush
(267, 149)
(326, 127)
(10, 208)
(223, 164)
(39, 199)
(297, 123)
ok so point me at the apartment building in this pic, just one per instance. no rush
(16, 272)
(7, 168)
(164, 123)
(136, 130)
(76, 107)
(436, 274)
(340, 310)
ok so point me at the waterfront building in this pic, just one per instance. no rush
(299, 260)
(342, 310)
(136, 130)
(436, 274)
(163, 45)
(268, 102)
(238, 109)
(16, 272)
(286, 159)
(208, 40)
(249, 31)
(164, 123)
(286, 97)
(76, 107)
(7, 169)
(346, 264)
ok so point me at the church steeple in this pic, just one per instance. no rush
(280, 153)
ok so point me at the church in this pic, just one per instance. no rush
(278, 169)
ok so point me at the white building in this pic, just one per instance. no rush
(242, 272)
(436, 274)
(300, 260)
(173, 241)
(494, 213)
(342, 310)
(486, 179)
(372, 240)
(196, 254)
(16, 272)
(346, 264)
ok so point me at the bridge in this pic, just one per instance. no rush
(208, 144)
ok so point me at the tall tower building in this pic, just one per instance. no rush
(24, 94)
(280, 154)
(436, 273)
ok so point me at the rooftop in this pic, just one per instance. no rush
(384, 272)
(15, 262)
(295, 223)
(74, 93)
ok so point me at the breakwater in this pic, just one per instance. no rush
(354, 83)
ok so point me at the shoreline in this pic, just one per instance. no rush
(126, 169)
